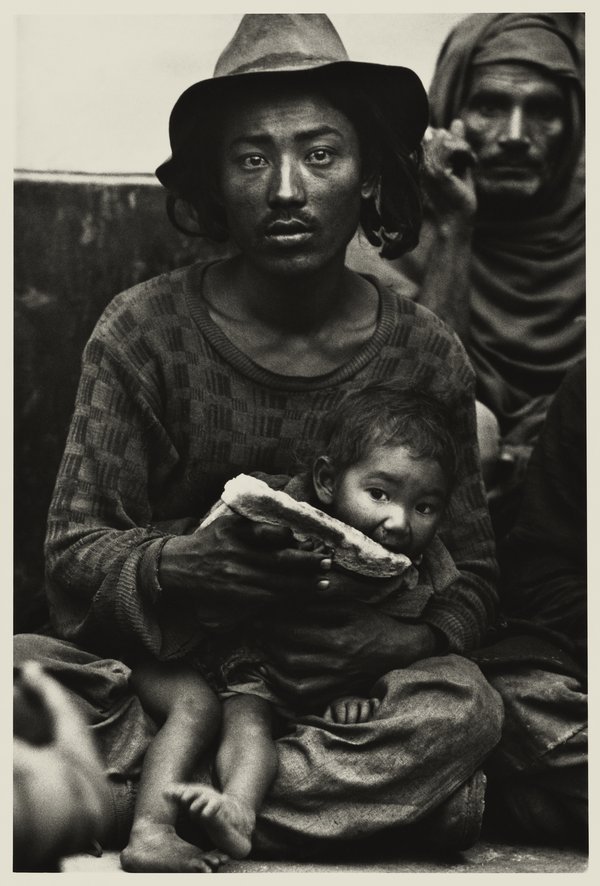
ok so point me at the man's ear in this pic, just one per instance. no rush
(367, 189)
(324, 479)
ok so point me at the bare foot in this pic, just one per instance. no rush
(156, 849)
(228, 821)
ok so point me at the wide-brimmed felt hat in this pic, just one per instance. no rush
(292, 46)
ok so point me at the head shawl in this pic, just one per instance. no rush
(527, 276)
(541, 40)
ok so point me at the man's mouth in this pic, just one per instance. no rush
(292, 232)
(511, 168)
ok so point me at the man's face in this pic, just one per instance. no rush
(516, 121)
(290, 182)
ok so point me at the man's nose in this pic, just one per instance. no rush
(515, 131)
(286, 185)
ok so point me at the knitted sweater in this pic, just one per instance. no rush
(168, 409)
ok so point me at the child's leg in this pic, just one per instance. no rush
(181, 700)
(246, 766)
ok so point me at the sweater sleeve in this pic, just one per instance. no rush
(465, 609)
(102, 550)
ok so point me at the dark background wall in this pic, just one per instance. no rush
(77, 244)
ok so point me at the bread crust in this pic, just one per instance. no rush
(352, 549)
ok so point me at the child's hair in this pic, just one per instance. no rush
(387, 413)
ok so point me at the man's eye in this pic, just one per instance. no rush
(377, 494)
(253, 161)
(320, 156)
(547, 112)
(487, 109)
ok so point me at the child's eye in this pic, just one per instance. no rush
(427, 509)
(377, 494)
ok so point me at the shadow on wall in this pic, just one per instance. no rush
(77, 244)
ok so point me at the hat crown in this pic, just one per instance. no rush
(280, 42)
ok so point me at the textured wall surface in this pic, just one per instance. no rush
(76, 246)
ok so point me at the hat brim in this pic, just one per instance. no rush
(397, 90)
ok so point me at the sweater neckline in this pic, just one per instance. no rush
(193, 285)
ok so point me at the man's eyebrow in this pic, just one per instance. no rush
(318, 132)
(491, 91)
(301, 135)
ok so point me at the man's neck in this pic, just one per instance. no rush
(294, 304)
(306, 326)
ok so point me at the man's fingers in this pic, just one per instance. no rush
(447, 152)
(264, 535)
(303, 561)
(457, 128)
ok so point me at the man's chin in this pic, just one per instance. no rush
(509, 194)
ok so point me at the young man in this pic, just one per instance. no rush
(232, 366)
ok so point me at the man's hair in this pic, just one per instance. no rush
(390, 218)
(389, 414)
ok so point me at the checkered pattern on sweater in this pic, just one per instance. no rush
(168, 409)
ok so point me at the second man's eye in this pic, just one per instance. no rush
(487, 109)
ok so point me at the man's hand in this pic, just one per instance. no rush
(447, 173)
(351, 586)
(352, 709)
(235, 561)
(337, 646)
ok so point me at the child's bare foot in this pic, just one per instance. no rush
(156, 849)
(352, 709)
(227, 820)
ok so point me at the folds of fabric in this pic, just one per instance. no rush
(527, 295)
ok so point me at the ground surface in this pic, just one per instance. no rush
(485, 858)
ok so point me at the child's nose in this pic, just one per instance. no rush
(397, 520)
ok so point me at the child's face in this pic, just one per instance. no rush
(392, 497)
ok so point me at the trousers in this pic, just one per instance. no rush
(538, 773)
(439, 719)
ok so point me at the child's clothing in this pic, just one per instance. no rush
(240, 655)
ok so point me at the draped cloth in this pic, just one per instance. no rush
(527, 275)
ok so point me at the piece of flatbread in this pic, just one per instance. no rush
(353, 550)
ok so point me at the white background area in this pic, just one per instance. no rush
(94, 92)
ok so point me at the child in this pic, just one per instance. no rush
(388, 470)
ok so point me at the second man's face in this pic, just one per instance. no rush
(290, 182)
(516, 120)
